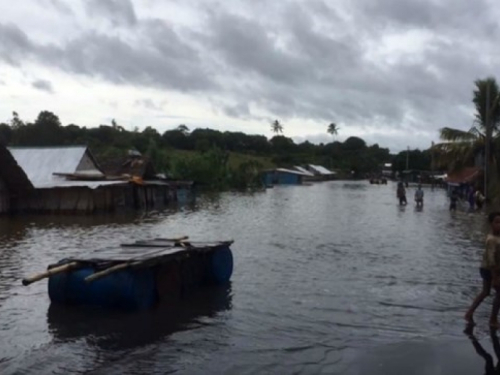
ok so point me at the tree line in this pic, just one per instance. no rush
(111, 140)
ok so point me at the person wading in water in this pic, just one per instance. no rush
(401, 193)
(419, 196)
(490, 272)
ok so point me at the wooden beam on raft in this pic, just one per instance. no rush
(137, 262)
(53, 271)
(109, 270)
(159, 242)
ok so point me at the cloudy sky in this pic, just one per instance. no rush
(389, 71)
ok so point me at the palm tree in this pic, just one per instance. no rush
(333, 129)
(460, 147)
(276, 127)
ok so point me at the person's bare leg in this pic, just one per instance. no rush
(495, 309)
(485, 292)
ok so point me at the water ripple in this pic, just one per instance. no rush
(320, 272)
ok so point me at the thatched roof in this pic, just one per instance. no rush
(11, 173)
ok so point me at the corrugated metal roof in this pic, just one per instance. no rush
(321, 170)
(39, 164)
(464, 175)
(304, 171)
(285, 170)
(62, 183)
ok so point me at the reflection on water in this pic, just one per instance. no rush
(322, 272)
(120, 331)
(489, 363)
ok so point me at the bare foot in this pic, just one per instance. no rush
(469, 330)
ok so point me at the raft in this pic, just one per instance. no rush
(139, 275)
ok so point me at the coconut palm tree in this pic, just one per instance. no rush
(333, 129)
(276, 127)
(460, 147)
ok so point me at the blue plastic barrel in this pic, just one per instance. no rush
(221, 265)
(130, 289)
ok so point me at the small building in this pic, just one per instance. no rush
(321, 172)
(387, 170)
(69, 180)
(155, 185)
(469, 176)
(283, 176)
(308, 176)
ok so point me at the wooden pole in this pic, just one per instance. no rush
(407, 157)
(110, 270)
(55, 270)
(432, 165)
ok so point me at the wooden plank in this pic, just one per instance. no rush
(55, 270)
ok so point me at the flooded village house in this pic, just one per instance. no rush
(70, 180)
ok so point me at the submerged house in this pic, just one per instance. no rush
(140, 169)
(467, 176)
(69, 180)
(320, 172)
(387, 170)
(283, 176)
(13, 181)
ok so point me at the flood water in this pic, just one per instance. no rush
(326, 276)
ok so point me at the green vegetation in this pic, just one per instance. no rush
(467, 148)
(217, 160)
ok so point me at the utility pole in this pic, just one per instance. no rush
(432, 165)
(487, 145)
(407, 157)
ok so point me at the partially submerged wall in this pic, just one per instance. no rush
(109, 198)
(4, 198)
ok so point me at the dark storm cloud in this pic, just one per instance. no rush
(118, 12)
(158, 57)
(14, 44)
(251, 49)
(302, 70)
(43, 85)
(440, 16)
(240, 110)
(293, 59)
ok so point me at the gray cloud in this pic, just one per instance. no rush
(13, 44)
(150, 104)
(159, 58)
(405, 66)
(43, 85)
(61, 6)
(118, 12)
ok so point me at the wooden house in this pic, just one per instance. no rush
(283, 176)
(70, 180)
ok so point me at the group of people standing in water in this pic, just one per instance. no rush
(401, 194)
(471, 195)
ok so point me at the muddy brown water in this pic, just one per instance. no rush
(328, 278)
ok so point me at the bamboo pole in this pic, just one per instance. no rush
(53, 271)
(107, 271)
